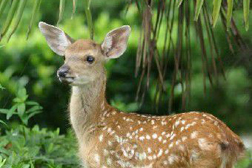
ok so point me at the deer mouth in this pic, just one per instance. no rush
(67, 80)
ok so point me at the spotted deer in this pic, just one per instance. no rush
(109, 138)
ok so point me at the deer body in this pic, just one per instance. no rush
(109, 138)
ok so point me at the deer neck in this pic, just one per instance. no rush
(86, 104)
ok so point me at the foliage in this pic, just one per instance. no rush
(21, 146)
(1, 121)
(1, 87)
(20, 107)
(34, 147)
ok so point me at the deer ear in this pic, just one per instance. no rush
(57, 40)
(115, 42)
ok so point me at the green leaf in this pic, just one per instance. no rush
(246, 5)
(1, 87)
(199, 4)
(50, 148)
(26, 166)
(11, 112)
(34, 108)
(21, 109)
(33, 114)
(216, 11)
(32, 103)
(24, 119)
(4, 111)
(22, 93)
(17, 100)
(2, 161)
(2, 122)
(230, 4)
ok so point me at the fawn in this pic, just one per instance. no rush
(109, 138)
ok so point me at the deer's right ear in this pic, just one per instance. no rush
(57, 40)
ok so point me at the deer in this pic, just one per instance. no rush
(110, 138)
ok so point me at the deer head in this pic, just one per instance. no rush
(84, 59)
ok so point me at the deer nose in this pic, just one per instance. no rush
(62, 72)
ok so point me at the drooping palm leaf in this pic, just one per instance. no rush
(19, 14)
(89, 17)
(9, 18)
(246, 6)
(35, 10)
(202, 22)
(61, 10)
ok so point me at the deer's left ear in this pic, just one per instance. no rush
(115, 42)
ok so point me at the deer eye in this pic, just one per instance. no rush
(90, 59)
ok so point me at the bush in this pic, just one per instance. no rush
(24, 147)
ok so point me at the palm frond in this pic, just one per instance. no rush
(61, 10)
(202, 23)
(35, 10)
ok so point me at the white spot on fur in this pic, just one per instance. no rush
(109, 130)
(184, 138)
(141, 138)
(154, 136)
(109, 143)
(171, 145)
(203, 144)
(160, 138)
(172, 159)
(142, 156)
(101, 138)
(182, 128)
(149, 150)
(194, 156)
(150, 157)
(177, 123)
(109, 161)
(177, 142)
(105, 152)
(160, 152)
(97, 158)
(194, 134)
(171, 138)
